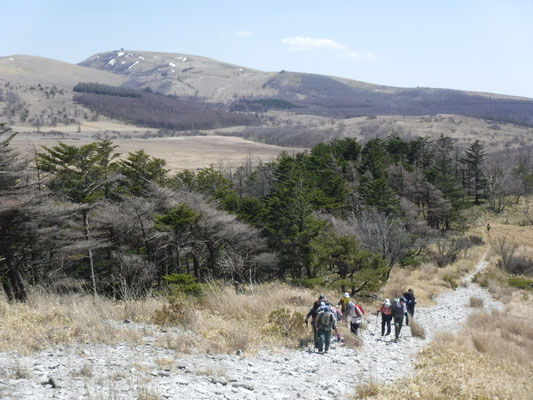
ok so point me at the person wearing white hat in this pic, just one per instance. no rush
(343, 302)
(386, 317)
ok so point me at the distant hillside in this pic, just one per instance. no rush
(145, 108)
(291, 108)
(181, 74)
(37, 92)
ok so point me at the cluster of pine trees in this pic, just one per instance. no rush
(85, 217)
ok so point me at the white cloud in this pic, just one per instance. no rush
(301, 43)
(243, 33)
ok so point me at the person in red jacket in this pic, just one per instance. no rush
(386, 317)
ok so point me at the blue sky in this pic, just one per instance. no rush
(470, 44)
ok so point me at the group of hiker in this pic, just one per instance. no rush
(325, 316)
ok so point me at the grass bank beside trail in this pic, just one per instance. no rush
(492, 358)
(220, 321)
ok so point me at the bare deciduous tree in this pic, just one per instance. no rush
(379, 233)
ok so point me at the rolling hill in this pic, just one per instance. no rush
(291, 108)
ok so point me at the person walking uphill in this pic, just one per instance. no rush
(343, 302)
(386, 316)
(399, 310)
(312, 314)
(355, 317)
(410, 302)
(325, 323)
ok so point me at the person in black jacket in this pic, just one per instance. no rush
(410, 302)
(312, 314)
(399, 310)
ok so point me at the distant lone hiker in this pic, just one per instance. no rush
(399, 310)
(386, 316)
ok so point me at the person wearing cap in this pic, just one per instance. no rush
(399, 310)
(343, 302)
(354, 318)
(386, 317)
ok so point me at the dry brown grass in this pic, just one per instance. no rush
(224, 321)
(352, 341)
(366, 390)
(47, 320)
(183, 152)
(476, 302)
(417, 330)
(221, 321)
(491, 359)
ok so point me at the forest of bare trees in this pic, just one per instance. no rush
(145, 108)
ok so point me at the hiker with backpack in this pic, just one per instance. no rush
(325, 323)
(313, 314)
(399, 310)
(354, 316)
(343, 302)
(386, 317)
(338, 315)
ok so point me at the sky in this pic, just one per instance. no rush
(477, 45)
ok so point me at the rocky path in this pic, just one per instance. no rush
(131, 372)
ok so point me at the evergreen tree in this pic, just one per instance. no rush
(473, 165)
(374, 187)
(80, 175)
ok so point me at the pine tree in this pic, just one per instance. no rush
(474, 163)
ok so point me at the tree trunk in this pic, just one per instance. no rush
(88, 237)
(18, 291)
(196, 266)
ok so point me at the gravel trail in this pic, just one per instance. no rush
(94, 371)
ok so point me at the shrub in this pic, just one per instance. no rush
(444, 259)
(184, 283)
(451, 280)
(417, 330)
(309, 283)
(410, 260)
(476, 301)
(519, 265)
(176, 312)
(286, 323)
(520, 283)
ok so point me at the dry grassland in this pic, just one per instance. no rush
(186, 152)
(491, 359)
(221, 321)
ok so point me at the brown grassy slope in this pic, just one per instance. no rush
(43, 87)
(35, 70)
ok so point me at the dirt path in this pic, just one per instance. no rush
(126, 372)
